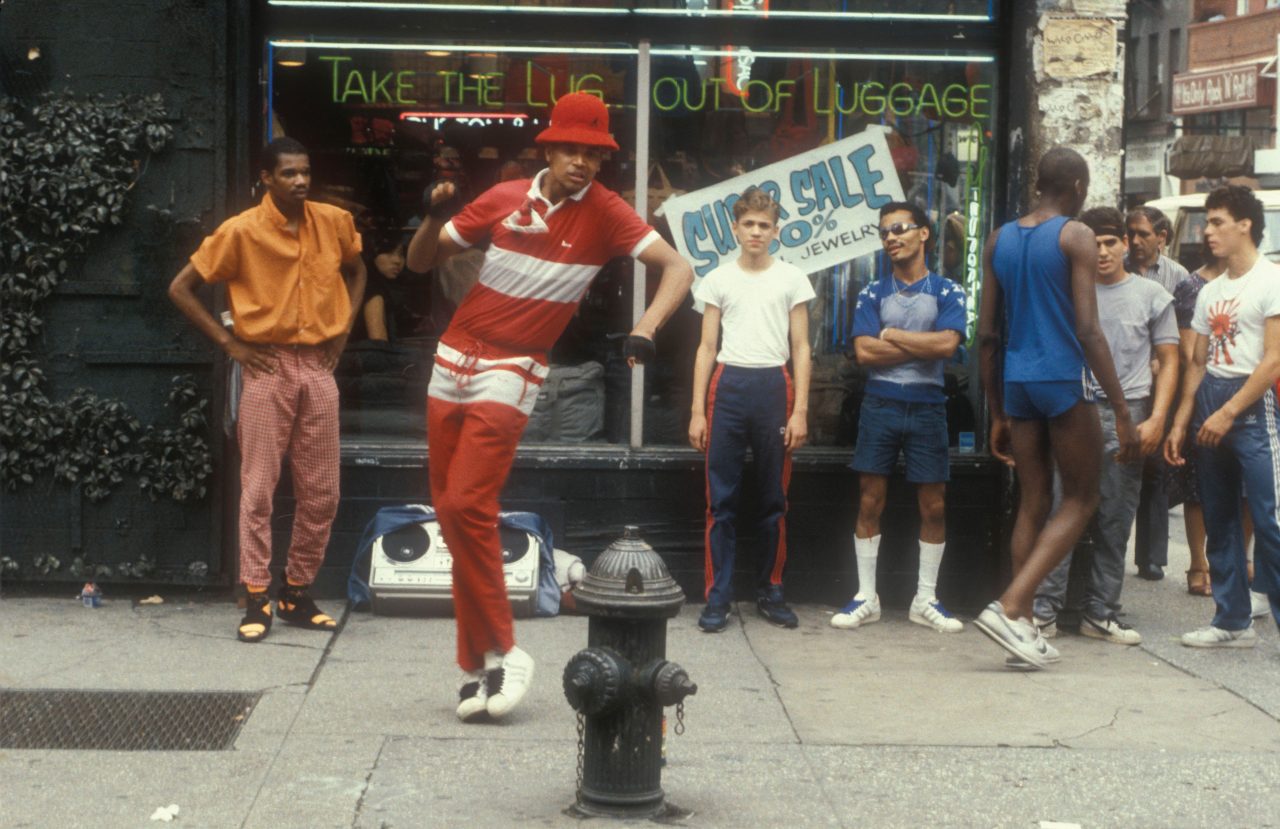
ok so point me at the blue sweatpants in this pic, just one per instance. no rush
(746, 408)
(1248, 455)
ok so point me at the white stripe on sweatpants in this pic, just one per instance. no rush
(453, 355)
(1273, 443)
(495, 385)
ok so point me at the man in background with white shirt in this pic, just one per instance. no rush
(1229, 402)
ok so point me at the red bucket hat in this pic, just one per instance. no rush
(579, 118)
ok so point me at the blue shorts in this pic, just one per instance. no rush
(1041, 400)
(917, 430)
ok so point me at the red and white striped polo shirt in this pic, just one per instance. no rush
(541, 260)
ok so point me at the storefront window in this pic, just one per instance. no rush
(383, 123)
(835, 136)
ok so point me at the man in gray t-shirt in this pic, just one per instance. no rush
(1137, 319)
(1149, 231)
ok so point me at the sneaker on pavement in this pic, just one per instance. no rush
(932, 614)
(856, 613)
(509, 683)
(1108, 630)
(1261, 605)
(714, 618)
(1048, 627)
(772, 607)
(473, 696)
(1212, 637)
(1017, 636)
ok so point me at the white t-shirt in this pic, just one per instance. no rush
(755, 309)
(1232, 313)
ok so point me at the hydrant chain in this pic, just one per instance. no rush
(621, 682)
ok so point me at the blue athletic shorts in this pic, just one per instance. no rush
(1041, 400)
(917, 430)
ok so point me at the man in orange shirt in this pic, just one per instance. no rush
(294, 281)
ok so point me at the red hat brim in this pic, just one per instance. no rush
(576, 135)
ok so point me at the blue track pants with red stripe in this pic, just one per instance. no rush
(746, 408)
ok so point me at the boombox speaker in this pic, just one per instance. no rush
(411, 571)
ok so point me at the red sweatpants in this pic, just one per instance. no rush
(294, 411)
(477, 409)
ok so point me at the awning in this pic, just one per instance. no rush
(1211, 156)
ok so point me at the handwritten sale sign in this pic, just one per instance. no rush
(830, 198)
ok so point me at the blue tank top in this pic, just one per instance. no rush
(1035, 275)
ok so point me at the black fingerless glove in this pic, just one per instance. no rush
(443, 211)
(642, 348)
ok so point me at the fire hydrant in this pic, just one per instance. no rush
(621, 682)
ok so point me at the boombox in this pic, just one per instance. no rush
(411, 571)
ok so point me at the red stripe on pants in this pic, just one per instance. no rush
(471, 449)
(780, 559)
(293, 411)
(709, 570)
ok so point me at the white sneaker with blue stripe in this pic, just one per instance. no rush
(856, 613)
(931, 614)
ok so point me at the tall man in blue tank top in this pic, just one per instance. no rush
(906, 325)
(1229, 401)
(1038, 286)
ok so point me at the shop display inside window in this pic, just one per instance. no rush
(384, 126)
(833, 140)
(833, 137)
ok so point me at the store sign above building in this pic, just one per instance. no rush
(830, 200)
(1235, 88)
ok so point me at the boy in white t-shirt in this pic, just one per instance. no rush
(1229, 400)
(750, 400)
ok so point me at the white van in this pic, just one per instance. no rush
(1187, 214)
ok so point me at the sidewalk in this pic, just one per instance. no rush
(892, 725)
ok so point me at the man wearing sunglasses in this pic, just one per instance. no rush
(906, 325)
(1038, 328)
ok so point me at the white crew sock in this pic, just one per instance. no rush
(866, 550)
(930, 561)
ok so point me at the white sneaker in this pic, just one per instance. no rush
(1108, 630)
(1212, 637)
(1261, 604)
(1018, 636)
(1048, 627)
(473, 696)
(856, 613)
(509, 683)
(932, 614)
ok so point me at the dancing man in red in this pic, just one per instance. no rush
(548, 238)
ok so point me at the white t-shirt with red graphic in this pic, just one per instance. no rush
(541, 260)
(1232, 313)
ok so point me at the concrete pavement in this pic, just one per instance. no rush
(891, 725)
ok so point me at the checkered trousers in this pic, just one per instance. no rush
(292, 412)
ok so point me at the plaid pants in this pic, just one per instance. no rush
(293, 411)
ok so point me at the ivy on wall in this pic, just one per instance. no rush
(67, 164)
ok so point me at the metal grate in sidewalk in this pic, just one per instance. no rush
(123, 720)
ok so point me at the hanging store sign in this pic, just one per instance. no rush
(830, 197)
(1235, 88)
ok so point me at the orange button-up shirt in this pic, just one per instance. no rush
(285, 288)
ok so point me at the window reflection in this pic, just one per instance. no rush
(385, 121)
